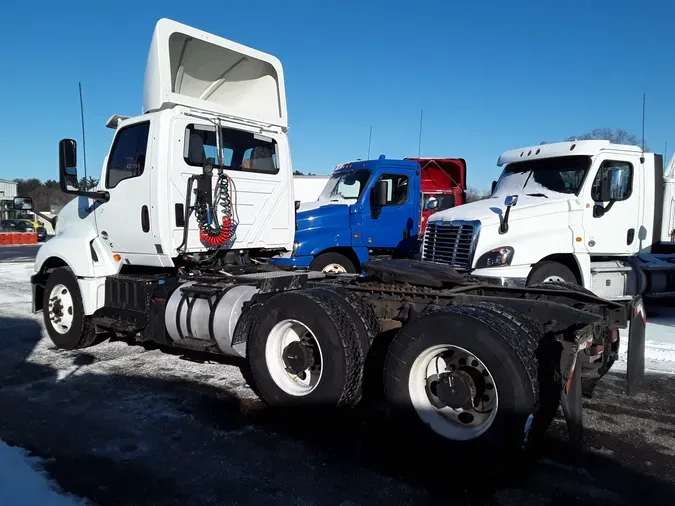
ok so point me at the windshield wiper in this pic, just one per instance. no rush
(537, 195)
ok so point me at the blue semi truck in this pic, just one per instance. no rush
(373, 208)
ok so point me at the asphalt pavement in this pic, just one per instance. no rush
(19, 253)
(125, 424)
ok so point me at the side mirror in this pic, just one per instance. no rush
(23, 203)
(68, 180)
(511, 200)
(612, 185)
(68, 165)
(432, 204)
(379, 194)
(492, 188)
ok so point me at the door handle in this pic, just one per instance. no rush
(630, 236)
(145, 219)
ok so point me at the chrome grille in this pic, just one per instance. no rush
(450, 243)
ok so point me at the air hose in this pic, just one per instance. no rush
(210, 231)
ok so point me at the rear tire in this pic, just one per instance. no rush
(67, 325)
(551, 272)
(498, 348)
(326, 330)
(331, 262)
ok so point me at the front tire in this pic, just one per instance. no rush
(67, 325)
(469, 374)
(332, 263)
(551, 272)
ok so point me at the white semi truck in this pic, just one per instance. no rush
(592, 213)
(196, 194)
(308, 188)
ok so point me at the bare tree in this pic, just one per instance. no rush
(616, 136)
(474, 194)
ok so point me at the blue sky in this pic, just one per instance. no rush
(490, 76)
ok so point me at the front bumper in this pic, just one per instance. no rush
(514, 276)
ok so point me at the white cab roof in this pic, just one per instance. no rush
(189, 67)
(555, 149)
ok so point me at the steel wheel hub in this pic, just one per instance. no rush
(453, 392)
(294, 358)
(61, 309)
(334, 269)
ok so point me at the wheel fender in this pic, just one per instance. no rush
(90, 260)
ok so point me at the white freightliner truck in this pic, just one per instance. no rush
(592, 213)
(196, 194)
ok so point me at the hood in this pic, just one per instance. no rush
(317, 215)
(189, 67)
(488, 211)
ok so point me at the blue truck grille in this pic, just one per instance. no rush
(450, 243)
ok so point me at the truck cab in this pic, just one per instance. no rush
(214, 124)
(590, 213)
(443, 184)
(367, 207)
(371, 209)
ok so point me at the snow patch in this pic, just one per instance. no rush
(659, 342)
(21, 484)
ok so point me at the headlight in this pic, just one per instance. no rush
(296, 244)
(498, 257)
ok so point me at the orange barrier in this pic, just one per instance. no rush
(18, 238)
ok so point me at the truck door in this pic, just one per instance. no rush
(612, 227)
(124, 222)
(396, 224)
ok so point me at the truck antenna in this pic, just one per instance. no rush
(644, 96)
(370, 138)
(419, 143)
(84, 145)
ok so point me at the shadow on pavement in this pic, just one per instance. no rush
(119, 438)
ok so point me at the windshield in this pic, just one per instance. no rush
(346, 185)
(545, 177)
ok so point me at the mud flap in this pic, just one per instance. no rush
(636, 346)
(571, 402)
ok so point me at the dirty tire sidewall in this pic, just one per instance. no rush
(336, 334)
(325, 259)
(368, 326)
(80, 333)
(512, 365)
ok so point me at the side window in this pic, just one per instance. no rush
(243, 151)
(615, 178)
(446, 202)
(127, 157)
(397, 189)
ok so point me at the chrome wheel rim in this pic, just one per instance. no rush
(454, 423)
(285, 342)
(61, 309)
